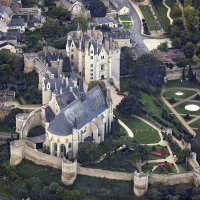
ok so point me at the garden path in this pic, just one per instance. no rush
(180, 118)
(171, 159)
(194, 119)
(128, 130)
(168, 11)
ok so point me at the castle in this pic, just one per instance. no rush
(72, 115)
(94, 55)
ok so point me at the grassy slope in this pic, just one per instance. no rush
(148, 15)
(143, 133)
(162, 12)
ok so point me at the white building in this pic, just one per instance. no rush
(76, 7)
(94, 56)
(123, 10)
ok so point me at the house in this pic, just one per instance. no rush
(94, 55)
(76, 7)
(122, 38)
(5, 16)
(18, 23)
(122, 9)
(108, 21)
(10, 47)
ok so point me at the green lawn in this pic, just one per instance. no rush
(125, 18)
(181, 108)
(195, 124)
(178, 83)
(162, 14)
(124, 84)
(127, 25)
(157, 148)
(171, 93)
(148, 16)
(143, 133)
(149, 166)
(148, 102)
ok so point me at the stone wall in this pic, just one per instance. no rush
(34, 119)
(21, 149)
(105, 174)
(174, 74)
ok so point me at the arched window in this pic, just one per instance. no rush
(72, 57)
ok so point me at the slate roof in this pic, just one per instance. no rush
(79, 112)
(120, 35)
(65, 99)
(17, 22)
(105, 20)
(5, 9)
(49, 114)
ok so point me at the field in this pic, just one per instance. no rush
(143, 133)
(148, 16)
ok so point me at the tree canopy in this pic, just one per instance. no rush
(149, 69)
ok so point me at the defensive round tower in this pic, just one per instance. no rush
(140, 183)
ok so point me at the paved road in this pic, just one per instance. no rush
(136, 32)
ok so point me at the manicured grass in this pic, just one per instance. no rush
(127, 25)
(148, 102)
(195, 124)
(149, 166)
(125, 18)
(143, 133)
(124, 84)
(162, 12)
(157, 148)
(171, 93)
(148, 15)
(178, 83)
(181, 108)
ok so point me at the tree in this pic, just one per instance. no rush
(130, 105)
(176, 43)
(190, 74)
(52, 29)
(101, 84)
(189, 50)
(59, 13)
(163, 46)
(97, 8)
(177, 13)
(127, 61)
(182, 62)
(149, 69)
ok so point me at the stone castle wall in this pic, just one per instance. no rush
(175, 74)
(34, 119)
(20, 150)
(105, 174)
